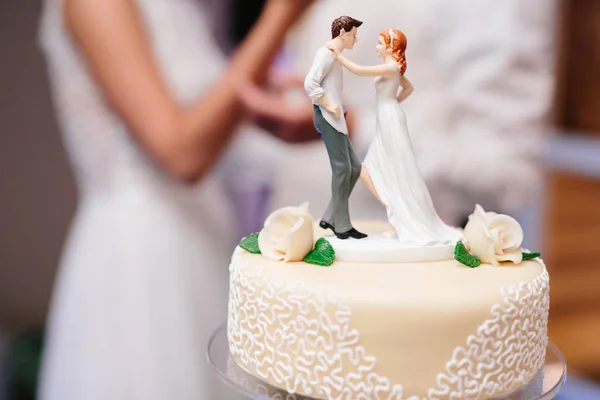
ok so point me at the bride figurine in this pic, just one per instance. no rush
(390, 169)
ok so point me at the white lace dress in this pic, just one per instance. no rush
(144, 276)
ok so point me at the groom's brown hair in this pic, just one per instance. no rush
(344, 22)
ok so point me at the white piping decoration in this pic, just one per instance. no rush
(507, 350)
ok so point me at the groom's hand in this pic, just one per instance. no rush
(333, 108)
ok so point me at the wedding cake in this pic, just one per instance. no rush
(426, 311)
(470, 323)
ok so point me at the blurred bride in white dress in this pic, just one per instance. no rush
(147, 104)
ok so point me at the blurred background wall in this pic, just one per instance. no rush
(572, 216)
(37, 196)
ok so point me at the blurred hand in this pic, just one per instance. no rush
(269, 107)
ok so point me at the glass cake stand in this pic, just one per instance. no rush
(544, 386)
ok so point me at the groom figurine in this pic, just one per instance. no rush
(323, 84)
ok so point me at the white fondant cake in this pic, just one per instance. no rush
(388, 330)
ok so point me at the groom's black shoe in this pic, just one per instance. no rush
(326, 225)
(356, 234)
(352, 233)
(342, 235)
(339, 235)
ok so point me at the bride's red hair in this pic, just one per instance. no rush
(398, 46)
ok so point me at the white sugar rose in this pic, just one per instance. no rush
(287, 234)
(493, 237)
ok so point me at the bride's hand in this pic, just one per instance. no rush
(336, 52)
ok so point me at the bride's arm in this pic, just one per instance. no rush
(407, 89)
(362, 70)
(186, 139)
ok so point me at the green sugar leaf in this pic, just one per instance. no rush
(250, 244)
(530, 256)
(323, 254)
(464, 257)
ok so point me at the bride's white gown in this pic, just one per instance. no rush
(393, 168)
(144, 276)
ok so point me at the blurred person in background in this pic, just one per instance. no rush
(484, 75)
(147, 104)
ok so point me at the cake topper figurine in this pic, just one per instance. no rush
(323, 84)
(390, 169)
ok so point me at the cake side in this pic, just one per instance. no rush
(397, 331)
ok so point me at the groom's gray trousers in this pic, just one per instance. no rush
(345, 168)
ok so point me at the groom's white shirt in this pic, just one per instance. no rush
(325, 78)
